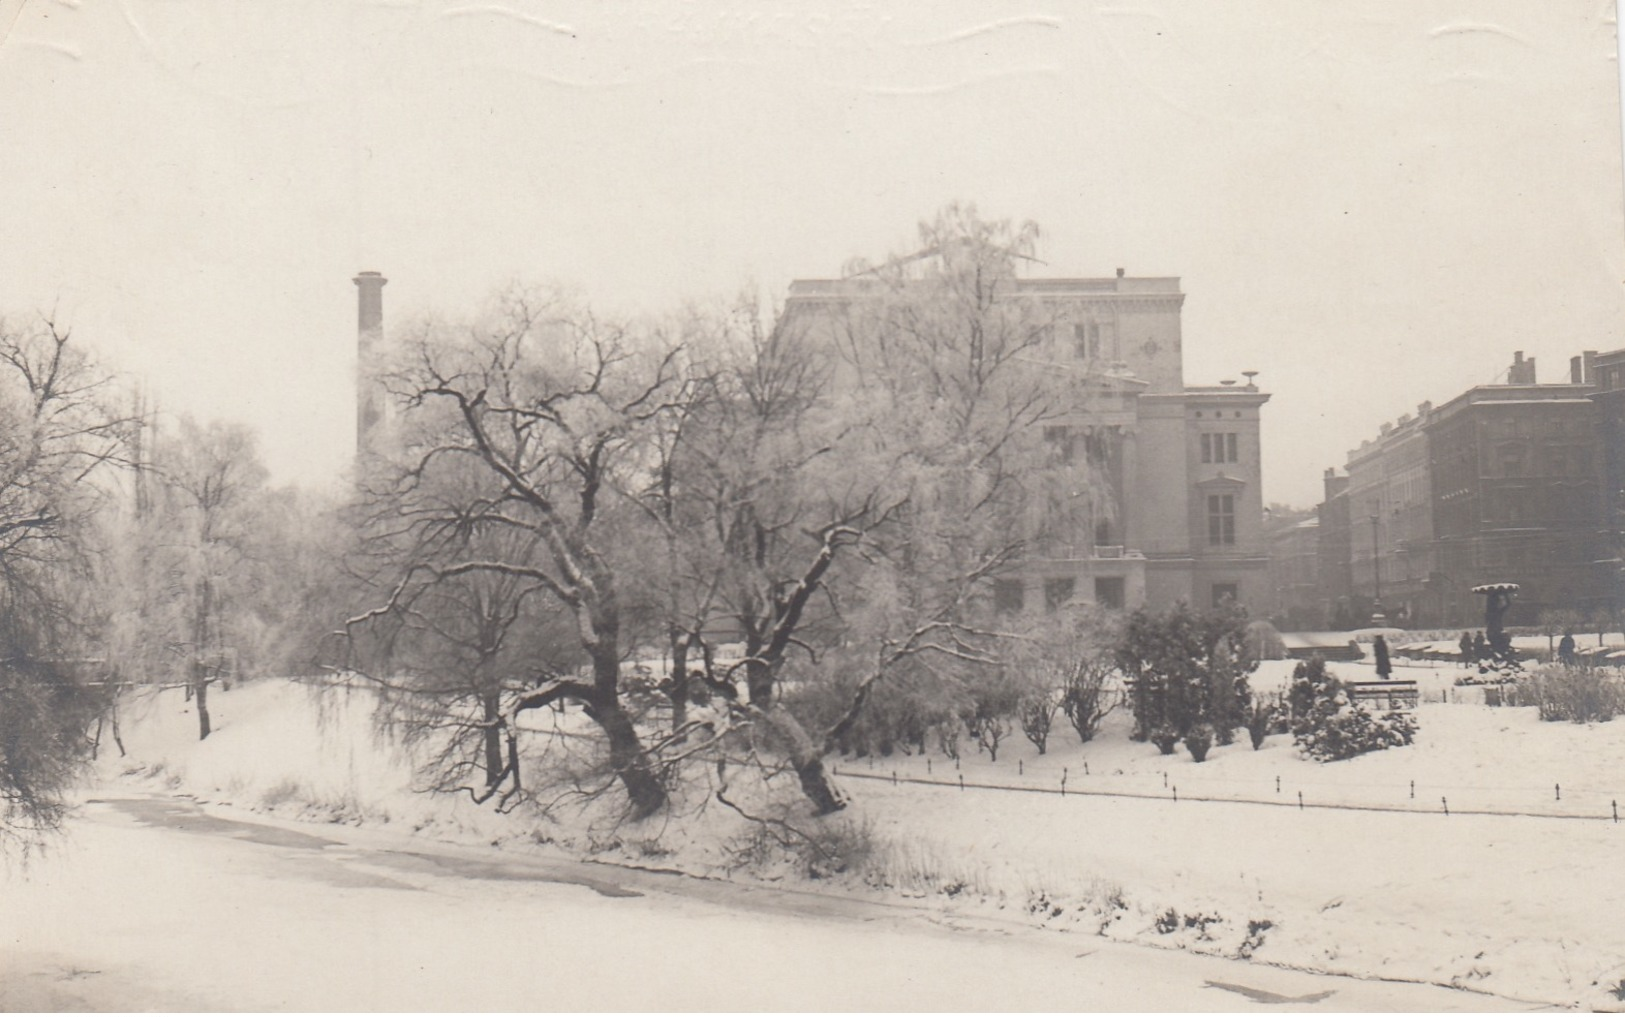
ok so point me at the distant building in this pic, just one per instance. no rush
(1607, 374)
(1334, 553)
(1390, 517)
(1183, 462)
(1294, 573)
(1503, 483)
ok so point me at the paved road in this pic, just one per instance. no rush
(156, 903)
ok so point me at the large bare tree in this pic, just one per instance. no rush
(854, 475)
(550, 408)
(61, 434)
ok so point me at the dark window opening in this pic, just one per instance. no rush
(1057, 592)
(1008, 596)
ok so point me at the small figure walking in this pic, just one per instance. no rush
(1379, 649)
(1481, 647)
(1565, 649)
(1466, 645)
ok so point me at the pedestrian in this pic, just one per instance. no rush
(1565, 649)
(1481, 647)
(1379, 649)
(1466, 645)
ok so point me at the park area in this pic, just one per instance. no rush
(1482, 856)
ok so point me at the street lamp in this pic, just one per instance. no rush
(1377, 617)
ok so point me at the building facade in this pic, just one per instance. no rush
(1183, 464)
(1390, 519)
(1504, 483)
(1294, 554)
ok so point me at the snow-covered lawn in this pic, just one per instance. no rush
(1524, 904)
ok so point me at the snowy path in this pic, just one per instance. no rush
(155, 903)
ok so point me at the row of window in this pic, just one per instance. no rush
(1010, 596)
(1087, 340)
(1217, 447)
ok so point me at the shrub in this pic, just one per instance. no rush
(1186, 667)
(1165, 739)
(1581, 695)
(989, 730)
(1326, 726)
(1260, 718)
(987, 712)
(1355, 732)
(1036, 711)
(1085, 699)
(1264, 642)
(896, 717)
(1198, 740)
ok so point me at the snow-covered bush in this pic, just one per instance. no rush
(1264, 641)
(1198, 740)
(1186, 667)
(1085, 699)
(1165, 739)
(1582, 695)
(1260, 718)
(1327, 726)
(897, 717)
(1036, 711)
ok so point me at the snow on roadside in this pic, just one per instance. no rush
(1517, 905)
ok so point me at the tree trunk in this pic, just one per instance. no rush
(627, 758)
(200, 670)
(626, 755)
(807, 759)
(490, 714)
(679, 679)
(118, 738)
(200, 689)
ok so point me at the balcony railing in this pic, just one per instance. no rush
(1078, 552)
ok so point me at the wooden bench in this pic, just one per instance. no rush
(1394, 695)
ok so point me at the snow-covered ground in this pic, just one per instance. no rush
(1516, 891)
(156, 903)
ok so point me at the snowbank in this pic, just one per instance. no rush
(1369, 876)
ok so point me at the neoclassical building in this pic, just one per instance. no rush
(1182, 463)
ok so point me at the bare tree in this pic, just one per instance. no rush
(60, 436)
(860, 471)
(550, 407)
(203, 543)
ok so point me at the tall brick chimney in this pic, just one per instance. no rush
(369, 335)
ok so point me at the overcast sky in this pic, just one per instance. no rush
(1371, 203)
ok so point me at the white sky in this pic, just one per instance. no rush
(1372, 203)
